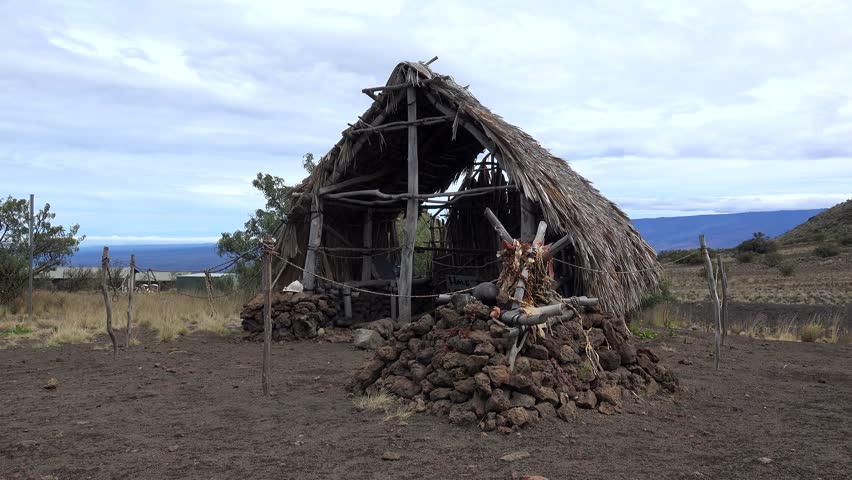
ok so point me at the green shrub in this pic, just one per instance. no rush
(692, 257)
(642, 332)
(18, 329)
(759, 243)
(772, 260)
(787, 270)
(825, 251)
(744, 257)
(663, 293)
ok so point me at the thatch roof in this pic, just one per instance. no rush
(616, 263)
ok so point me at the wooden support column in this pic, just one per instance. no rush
(314, 237)
(528, 223)
(367, 260)
(406, 269)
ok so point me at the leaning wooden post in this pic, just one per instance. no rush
(498, 227)
(714, 296)
(267, 311)
(406, 268)
(314, 239)
(723, 281)
(107, 302)
(131, 285)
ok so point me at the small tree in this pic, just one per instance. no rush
(52, 245)
(262, 222)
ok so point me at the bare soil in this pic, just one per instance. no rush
(192, 408)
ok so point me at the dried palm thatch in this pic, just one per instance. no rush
(610, 259)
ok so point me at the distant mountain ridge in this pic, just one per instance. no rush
(832, 224)
(722, 231)
(180, 257)
(665, 233)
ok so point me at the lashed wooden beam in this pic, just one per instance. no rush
(377, 194)
(398, 125)
(354, 181)
(403, 86)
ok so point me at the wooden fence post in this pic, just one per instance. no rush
(723, 282)
(131, 285)
(267, 311)
(107, 301)
(714, 296)
(32, 248)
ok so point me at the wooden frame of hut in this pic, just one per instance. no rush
(423, 134)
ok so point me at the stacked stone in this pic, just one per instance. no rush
(295, 315)
(457, 366)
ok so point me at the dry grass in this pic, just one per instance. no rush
(67, 318)
(817, 328)
(384, 401)
(380, 400)
(398, 412)
(811, 332)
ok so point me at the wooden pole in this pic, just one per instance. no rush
(498, 226)
(723, 277)
(107, 302)
(131, 285)
(714, 296)
(32, 248)
(347, 303)
(527, 219)
(406, 270)
(267, 313)
(314, 239)
(367, 240)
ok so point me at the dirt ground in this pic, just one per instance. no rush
(192, 408)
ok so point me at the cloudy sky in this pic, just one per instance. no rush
(146, 121)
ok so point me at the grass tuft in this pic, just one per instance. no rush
(811, 332)
(386, 402)
(18, 329)
(398, 412)
(380, 400)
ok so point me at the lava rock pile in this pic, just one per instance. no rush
(457, 366)
(295, 315)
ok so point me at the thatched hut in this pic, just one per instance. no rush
(422, 135)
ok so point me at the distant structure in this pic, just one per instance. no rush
(424, 135)
(194, 283)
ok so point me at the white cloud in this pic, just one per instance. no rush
(153, 117)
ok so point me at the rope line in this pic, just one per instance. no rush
(332, 255)
(659, 265)
(369, 292)
(471, 267)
